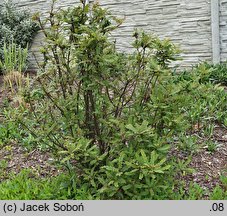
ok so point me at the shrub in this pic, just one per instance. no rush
(102, 110)
(111, 117)
(15, 25)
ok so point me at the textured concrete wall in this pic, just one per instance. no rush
(44, 5)
(223, 29)
(185, 22)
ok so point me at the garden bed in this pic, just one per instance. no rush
(124, 125)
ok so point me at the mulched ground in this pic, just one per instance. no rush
(208, 166)
(14, 158)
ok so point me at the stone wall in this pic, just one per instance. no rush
(223, 29)
(186, 22)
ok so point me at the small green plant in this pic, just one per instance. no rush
(195, 192)
(3, 164)
(225, 122)
(13, 64)
(27, 186)
(8, 132)
(217, 73)
(189, 144)
(182, 166)
(208, 131)
(14, 58)
(220, 192)
(211, 146)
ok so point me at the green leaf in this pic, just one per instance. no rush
(126, 187)
(141, 176)
(164, 148)
(130, 127)
(145, 159)
(154, 157)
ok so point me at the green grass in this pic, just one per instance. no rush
(26, 186)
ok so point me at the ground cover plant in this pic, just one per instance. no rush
(116, 125)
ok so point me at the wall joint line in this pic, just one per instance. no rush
(215, 31)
